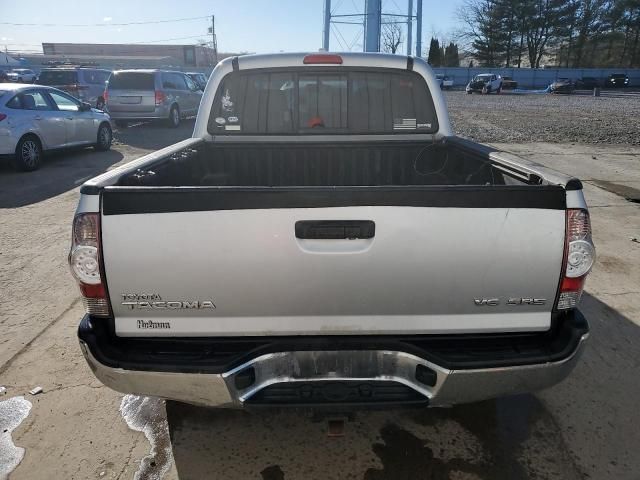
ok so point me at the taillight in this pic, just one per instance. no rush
(105, 95)
(160, 97)
(322, 58)
(579, 256)
(2, 116)
(85, 260)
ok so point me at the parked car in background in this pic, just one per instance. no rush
(199, 78)
(563, 85)
(617, 80)
(151, 95)
(509, 83)
(446, 82)
(38, 119)
(86, 84)
(22, 75)
(3, 76)
(587, 82)
(485, 83)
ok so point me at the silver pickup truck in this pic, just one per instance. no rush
(325, 239)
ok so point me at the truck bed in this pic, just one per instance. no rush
(321, 164)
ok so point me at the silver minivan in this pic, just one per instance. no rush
(84, 83)
(151, 95)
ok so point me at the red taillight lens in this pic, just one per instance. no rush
(105, 95)
(579, 257)
(321, 58)
(160, 97)
(2, 116)
(85, 260)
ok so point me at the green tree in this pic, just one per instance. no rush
(483, 28)
(435, 53)
(451, 57)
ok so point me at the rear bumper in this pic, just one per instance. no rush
(160, 112)
(368, 373)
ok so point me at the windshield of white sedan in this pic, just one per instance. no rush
(309, 102)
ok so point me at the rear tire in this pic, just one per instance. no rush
(105, 136)
(174, 117)
(28, 156)
(499, 90)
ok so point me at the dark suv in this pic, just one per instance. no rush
(617, 80)
(84, 83)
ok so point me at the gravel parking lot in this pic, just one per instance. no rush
(520, 118)
(586, 427)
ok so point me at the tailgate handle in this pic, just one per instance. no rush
(335, 229)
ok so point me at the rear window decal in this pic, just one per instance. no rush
(404, 124)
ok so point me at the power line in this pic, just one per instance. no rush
(109, 24)
(126, 43)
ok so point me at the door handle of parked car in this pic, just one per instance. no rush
(335, 229)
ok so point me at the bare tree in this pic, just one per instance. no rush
(391, 37)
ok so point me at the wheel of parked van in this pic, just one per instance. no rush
(499, 90)
(105, 137)
(174, 117)
(28, 154)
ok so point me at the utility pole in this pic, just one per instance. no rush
(373, 19)
(419, 30)
(214, 42)
(410, 27)
(327, 25)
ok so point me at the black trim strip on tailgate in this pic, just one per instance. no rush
(137, 200)
(221, 354)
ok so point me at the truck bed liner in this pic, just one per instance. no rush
(321, 164)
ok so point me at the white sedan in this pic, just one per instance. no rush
(38, 119)
(485, 83)
(22, 75)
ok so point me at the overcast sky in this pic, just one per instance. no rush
(241, 25)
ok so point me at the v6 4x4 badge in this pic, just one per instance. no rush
(492, 302)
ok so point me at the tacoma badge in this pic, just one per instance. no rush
(173, 305)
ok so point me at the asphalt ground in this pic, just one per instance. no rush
(586, 427)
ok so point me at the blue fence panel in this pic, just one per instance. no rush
(537, 78)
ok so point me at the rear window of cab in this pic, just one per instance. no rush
(132, 81)
(314, 101)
